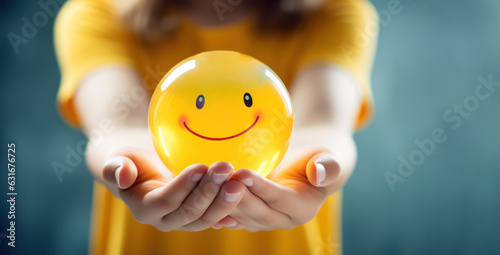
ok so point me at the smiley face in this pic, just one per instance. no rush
(221, 106)
(200, 102)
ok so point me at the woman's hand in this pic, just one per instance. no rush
(326, 101)
(194, 200)
(288, 198)
(127, 164)
(124, 160)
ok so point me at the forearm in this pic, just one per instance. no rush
(112, 106)
(326, 103)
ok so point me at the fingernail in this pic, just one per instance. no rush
(117, 175)
(320, 172)
(196, 177)
(247, 182)
(231, 225)
(219, 178)
(217, 226)
(232, 197)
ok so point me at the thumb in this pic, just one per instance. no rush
(323, 169)
(120, 171)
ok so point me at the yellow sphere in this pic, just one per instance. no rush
(221, 106)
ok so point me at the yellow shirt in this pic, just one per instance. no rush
(89, 34)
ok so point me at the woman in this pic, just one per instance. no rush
(112, 55)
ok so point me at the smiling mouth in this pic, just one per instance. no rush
(221, 138)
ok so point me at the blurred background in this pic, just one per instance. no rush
(432, 57)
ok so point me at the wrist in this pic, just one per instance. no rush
(101, 148)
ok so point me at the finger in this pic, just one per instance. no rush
(148, 163)
(227, 221)
(120, 172)
(323, 170)
(200, 198)
(239, 226)
(228, 198)
(169, 197)
(230, 223)
(243, 221)
(237, 216)
(293, 165)
(217, 226)
(275, 195)
(262, 215)
(291, 199)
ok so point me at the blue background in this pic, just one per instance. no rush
(429, 58)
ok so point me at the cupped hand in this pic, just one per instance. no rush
(195, 200)
(290, 196)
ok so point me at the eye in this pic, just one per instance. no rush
(200, 101)
(247, 99)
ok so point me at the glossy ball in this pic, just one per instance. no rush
(221, 106)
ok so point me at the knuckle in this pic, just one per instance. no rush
(277, 200)
(210, 189)
(244, 202)
(201, 198)
(204, 222)
(321, 192)
(266, 220)
(167, 205)
(273, 203)
(189, 213)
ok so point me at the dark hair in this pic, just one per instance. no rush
(148, 21)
